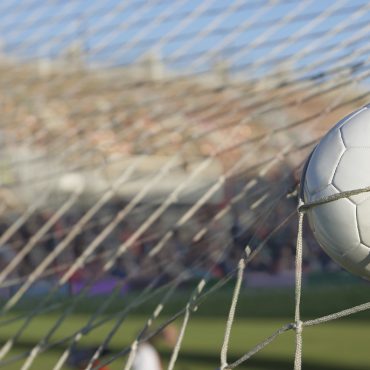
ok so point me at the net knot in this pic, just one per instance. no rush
(298, 326)
(301, 206)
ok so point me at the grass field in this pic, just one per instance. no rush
(340, 345)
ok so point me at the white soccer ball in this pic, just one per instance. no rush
(341, 162)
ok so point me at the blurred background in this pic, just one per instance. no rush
(147, 146)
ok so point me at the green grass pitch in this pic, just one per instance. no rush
(340, 345)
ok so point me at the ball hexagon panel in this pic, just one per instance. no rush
(326, 192)
(308, 198)
(356, 132)
(335, 226)
(357, 261)
(324, 161)
(363, 221)
(353, 172)
(350, 116)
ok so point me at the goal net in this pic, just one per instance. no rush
(151, 153)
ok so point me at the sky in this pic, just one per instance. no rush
(188, 34)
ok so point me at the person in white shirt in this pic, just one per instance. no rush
(147, 357)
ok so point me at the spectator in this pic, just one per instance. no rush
(147, 357)
(80, 358)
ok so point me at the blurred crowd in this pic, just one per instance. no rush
(204, 245)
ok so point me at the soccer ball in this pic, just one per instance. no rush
(341, 162)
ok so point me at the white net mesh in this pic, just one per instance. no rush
(152, 146)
